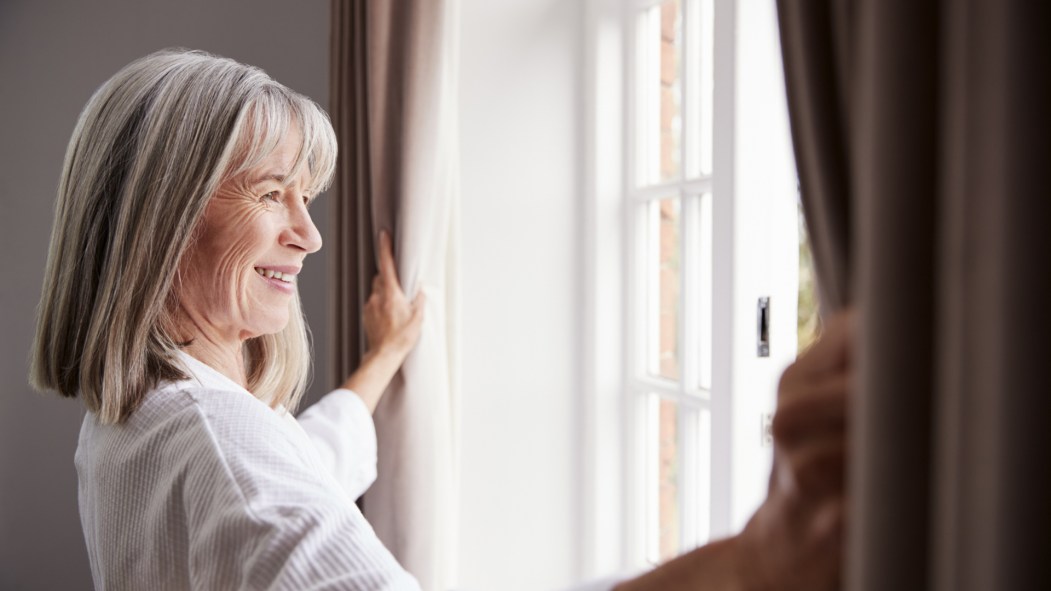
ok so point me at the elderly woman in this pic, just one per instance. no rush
(170, 308)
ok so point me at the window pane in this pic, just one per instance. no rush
(703, 263)
(700, 84)
(664, 286)
(659, 93)
(666, 543)
(696, 478)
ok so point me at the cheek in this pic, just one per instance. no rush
(230, 243)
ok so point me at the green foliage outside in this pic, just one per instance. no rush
(809, 321)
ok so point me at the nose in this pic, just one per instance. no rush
(302, 234)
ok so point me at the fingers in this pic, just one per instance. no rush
(388, 272)
(816, 469)
(810, 432)
(813, 412)
(820, 374)
(819, 407)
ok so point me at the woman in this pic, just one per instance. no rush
(170, 308)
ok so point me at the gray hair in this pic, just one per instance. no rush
(150, 149)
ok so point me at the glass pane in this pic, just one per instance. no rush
(700, 84)
(706, 83)
(659, 97)
(699, 442)
(668, 482)
(699, 77)
(671, 90)
(664, 285)
(703, 261)
(678, 478)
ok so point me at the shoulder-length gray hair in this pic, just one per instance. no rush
(151, 147)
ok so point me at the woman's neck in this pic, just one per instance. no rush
(223, 358)
(221, 352)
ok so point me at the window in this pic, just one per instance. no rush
(712, 236)
(669, 199)
(690, 219)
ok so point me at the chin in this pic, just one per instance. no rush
(267, 326)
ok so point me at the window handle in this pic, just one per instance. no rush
(762, 314)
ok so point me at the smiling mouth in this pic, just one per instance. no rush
(272, 274)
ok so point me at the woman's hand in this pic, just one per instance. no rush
(392, 323)
(794, 540)
(392, 327)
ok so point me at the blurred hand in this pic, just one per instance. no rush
(392, 323)
(794, 540)
(392, 327)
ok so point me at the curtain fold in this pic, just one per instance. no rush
(816, 46)
(922, 134)
(394, 106)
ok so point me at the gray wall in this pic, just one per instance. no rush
(53, 55)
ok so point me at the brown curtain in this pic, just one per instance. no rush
(922, 138)
(394, 107)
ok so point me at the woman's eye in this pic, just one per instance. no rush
(271, 196)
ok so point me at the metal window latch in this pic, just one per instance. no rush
(762, 314)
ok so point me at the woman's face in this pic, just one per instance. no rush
(238, 278)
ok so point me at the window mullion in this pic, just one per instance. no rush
(670, 392)
(662, 190)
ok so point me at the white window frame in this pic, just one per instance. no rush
(699, 521)
(613, 527)
(643, 390)
(612, 451)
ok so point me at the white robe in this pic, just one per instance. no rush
(206, 487)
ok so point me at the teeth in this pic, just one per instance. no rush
(270, 273)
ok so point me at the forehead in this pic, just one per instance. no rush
(278, 164)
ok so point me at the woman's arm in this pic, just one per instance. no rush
(715, 566)
(341, 429)
(340, 424)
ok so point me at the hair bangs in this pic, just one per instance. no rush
(319, 150)
(269, 117)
